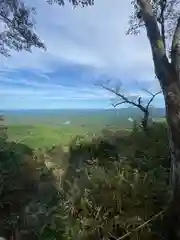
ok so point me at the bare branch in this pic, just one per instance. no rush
(118, 103)
(139, 100)
(138, 103)
(150, 93)
(147, 91)
(123, 97)
(152, 98)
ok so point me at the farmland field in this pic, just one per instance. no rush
(43, 128)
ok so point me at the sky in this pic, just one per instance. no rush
(86, 47)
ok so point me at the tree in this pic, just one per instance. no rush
(161, 19)
(17, 25)
(144, 108)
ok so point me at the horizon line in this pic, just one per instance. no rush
(44, 109)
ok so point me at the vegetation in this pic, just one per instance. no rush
(105, 186)
(94, 171)
(162, 23)
(18, 25)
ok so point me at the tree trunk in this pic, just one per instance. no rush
(144, 121)
(172, 101)
(168, 73)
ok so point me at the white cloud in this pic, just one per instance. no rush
(33, 89)
(93, 36)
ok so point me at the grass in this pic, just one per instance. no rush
(161, 120)
(45, 130)
(44, 136)
(40, 136)
(47, 135)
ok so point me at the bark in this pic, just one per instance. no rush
(175, 50)
(145, 120)
(168, 74)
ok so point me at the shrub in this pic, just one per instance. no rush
(148, 149)
(111, 197)
(27, 193)
(112, 185)
(115, 202)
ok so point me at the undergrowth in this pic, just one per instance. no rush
(106, 187)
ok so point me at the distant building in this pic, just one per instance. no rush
(67, 122)
(130, 119)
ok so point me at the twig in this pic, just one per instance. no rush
(142, 225)
(119, 103)
(19, 141)
(152, 98)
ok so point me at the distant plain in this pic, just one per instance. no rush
(44, 128)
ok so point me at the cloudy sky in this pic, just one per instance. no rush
(85, 47)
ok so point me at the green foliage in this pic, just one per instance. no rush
(17, 31)
(148, 149)
(112, 184)
(18, 26)
(27, 190)
(165, 12)
(115, 202)
(82, 3)
(107, 199)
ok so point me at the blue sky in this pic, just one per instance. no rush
(85, 47)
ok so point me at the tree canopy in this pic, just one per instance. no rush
(166, 13)
(18, 26)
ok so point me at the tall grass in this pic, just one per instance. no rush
(112, 186)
